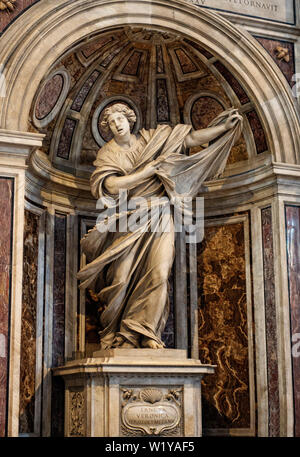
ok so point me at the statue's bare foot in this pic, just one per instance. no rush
(151, 344)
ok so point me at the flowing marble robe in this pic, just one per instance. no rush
(136, 300)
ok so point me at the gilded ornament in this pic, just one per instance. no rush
(7, 5)
(282, 54)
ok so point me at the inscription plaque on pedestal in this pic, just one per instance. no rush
(151, 411)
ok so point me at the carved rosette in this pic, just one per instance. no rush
(77, 413)
(151, 411)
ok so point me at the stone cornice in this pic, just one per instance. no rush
(40, 164)
(14, 143)
(264, 176)
(249, 180)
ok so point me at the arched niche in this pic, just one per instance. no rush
(33, 45)
(43, 39)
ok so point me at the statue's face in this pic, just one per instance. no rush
(118, 124)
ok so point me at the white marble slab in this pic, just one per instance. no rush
(273, 10)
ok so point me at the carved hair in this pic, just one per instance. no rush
(118, 108)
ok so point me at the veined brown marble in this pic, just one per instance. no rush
(95, 46)
(160, 67)
(271, 331)
(293, 243)
(168, 336)
(203, 111)
(28, 331)
(199, 48)
(223, 338)
(185, 61)
(65, 142)
(287, 67)
(84, 91)
(131, 68)
(162, 101)
(49, 96)
(58, 347)
(6, 211)
(258, 132)
(234, 83)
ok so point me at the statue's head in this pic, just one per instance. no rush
(118, 111)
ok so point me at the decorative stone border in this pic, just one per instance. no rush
(40, 123)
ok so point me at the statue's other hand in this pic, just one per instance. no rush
(150, 168)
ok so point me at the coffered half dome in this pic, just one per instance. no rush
(165, 78)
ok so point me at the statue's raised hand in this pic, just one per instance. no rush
(232, 120)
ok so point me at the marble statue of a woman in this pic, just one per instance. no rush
(129, 270)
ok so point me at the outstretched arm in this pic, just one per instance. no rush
(114, 183)
(203, 136)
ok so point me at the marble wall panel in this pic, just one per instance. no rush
(293, 257)
(131, 67)
(65, 141)
(258, 132)
(185, 62)
(199, 48)
(6, 211)
(107, 60)
(49, 96)
(223, 334)
(162, 101)
(160, 67)
(207, 83)
(233, 82)
(92, 310)
(84, 91)
(58, 345)
(75, 68)
(281, 11)
(29, 322)
(271, 330)
(89, 305)
(95, 46)
(203, 111)
(168, 335)
(285, 60)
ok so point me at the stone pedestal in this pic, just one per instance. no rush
(133, 392)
